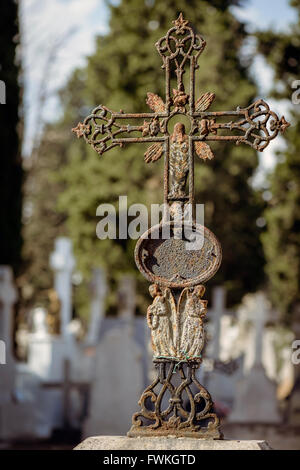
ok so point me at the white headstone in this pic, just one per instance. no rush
(256, 394)
(17, 417)
(99, 289)
(8, 297)
(117, 386)
(247, 341)
(46, 352)
(39, 322)
(126, 298)
(62, 262)
(46, 356)
(222, 331)
(217, 311)
(2, 92)
(293, 412)
(118, 376)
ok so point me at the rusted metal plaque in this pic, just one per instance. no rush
(165, 255)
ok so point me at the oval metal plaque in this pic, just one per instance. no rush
(166, 255)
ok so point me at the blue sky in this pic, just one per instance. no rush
(68, 28)
(276, 14)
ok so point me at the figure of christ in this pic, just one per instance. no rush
(178, 162)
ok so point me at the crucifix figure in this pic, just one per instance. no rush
(178, 273)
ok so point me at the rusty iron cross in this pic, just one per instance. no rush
(255, 125)
(175, 316)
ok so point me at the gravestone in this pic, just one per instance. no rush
(8, 298)
(83, 365)
(293, 411)
(18, 411)
(247, 333)
(98, 293)
(217, 312)
(22, 334)
(62, 262)
(44, 363)
(67, 386)
(118, 375)
(47, 352)
(39, 322)
(2, 92)
(256, 394)
(224, 370)
(126, 298)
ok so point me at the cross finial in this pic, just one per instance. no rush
(283, 125)
(180, 23)
(81, 129)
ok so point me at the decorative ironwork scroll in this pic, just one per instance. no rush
(175, 403)
(185, 413)
(255, 125)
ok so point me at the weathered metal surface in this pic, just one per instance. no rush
(176, 323)
(168, 261)
(255, 125)
(176, 404)
(179, 162)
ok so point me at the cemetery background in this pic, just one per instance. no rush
(69, 300)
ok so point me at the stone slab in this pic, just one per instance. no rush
(167, 443)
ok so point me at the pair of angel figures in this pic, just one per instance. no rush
(177, 330)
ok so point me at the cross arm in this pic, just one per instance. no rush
(104, 129)
(255, 125)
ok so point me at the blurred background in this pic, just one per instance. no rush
(71, 305)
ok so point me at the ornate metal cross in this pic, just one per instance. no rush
(176, 403)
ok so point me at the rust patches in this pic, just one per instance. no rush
(283, 125)
(206, 126)
(180, 24)
(203, 151)
(180, 99)
(153, 153)
(160, 259)
(168, 412)
(155, 103)
(81, 129)
(178, 162)
(204, 102)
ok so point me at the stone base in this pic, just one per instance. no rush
(166, 443)
(211, 432)
(283, 437)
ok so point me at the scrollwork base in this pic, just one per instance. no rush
(176, 404)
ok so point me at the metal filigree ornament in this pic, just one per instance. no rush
(176, 403)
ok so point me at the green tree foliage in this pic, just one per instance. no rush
(124, 67)
(42, 222)
(11, 174)
(281, 241)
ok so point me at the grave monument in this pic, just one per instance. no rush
(178, 265)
